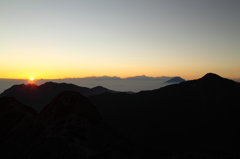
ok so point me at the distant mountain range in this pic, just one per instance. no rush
(192, 119)
(132, 84)
(142, 77)
(38, 96)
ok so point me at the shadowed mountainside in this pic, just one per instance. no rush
(68, 127)
(38, 96)
(13, 114)
(198, 115)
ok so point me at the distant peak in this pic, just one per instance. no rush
(176, 79)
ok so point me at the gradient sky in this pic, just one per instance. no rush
(79, 38)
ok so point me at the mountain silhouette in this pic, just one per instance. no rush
(192, 119)
(175, 80)
(194, 116)
(38, 96)
(68, 127)
(211, 77)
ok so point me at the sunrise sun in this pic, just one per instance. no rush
(31, 78)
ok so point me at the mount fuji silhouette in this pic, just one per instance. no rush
(175, 80)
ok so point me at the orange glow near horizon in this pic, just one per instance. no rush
(188, 75)
(122, 72)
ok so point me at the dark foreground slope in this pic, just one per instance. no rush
(194, 116)
(38, 96)
(13, 115)
(69, 127)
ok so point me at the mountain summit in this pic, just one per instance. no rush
(211, 77)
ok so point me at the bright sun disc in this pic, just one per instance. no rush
(31, 78)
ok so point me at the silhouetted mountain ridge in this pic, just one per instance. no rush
(196, 115)
(211, 77)
(38, 96)
(192, 119)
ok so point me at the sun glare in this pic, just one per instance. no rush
(31, 78)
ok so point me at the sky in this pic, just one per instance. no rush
(79, 38)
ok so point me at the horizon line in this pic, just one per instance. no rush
(89, 77)
(108, 77)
